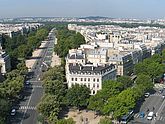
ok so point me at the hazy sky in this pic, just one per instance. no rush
(80, 8)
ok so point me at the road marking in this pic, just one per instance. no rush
(157, 94)
(34, 86)
(33, 81)
(27, 105)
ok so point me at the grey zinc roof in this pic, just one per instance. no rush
(78, 68)
(76, 56)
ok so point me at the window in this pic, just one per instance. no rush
(75, 79)
(88, 85)
(72, 79)
(81, 79)
(97, 80)
(88, 79)
(93, 79)
(97, 85)
(93, 85)
(93, 91)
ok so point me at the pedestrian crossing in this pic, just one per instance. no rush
(34, 86)
(27, 108)
(160, 118)
(156, 94)
(33, 81)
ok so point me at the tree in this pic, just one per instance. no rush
(144, 82)
(66, 121)
(78, 95)
(96, 102)
(4, 109)
(54, 87)
(49, 107)
(56, 73)
(155, 69)
(125, 80)
(121, 104)
(110, 88)
(141, 68)
(105, 120)
(163, 56)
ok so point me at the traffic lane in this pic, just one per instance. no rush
(30, 117)
(148, 104)
(26, 95)
(151, 104)
(17, 118)
(163, 112)
(160, 122)
(36, 96)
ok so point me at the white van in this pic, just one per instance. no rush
(150, 115)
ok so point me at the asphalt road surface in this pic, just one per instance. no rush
(155, 103)
(26, 108)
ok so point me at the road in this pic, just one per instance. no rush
(26, 108)
(155, 103)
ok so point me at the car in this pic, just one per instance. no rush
(150, 115)
(27, 83)
(21, 97)
(147, 95)
(13, 112)
(163, 96)
(161, 91)
(142, 114)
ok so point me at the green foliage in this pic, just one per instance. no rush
(151, 66)
(4, 109)
(163, 56)
(67, 40)
(105, 120)
(144, 82)
(55, 73)
(49, 107)
(66, 121)
(54, 87)
(110, 88)
(121, 104)
(78, 95)
(125, 80)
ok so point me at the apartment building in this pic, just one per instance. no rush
(123, 62)
(4, 62)
(90, 75)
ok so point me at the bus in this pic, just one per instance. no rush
(126, 118)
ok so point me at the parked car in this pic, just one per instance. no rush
(147, 95)
(163, 96)
(13, 112)
(150, 115)
(142, 114)
(161, 91)
(27, 83)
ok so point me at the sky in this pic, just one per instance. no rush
(141, 9)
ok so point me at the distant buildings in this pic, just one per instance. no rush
(12, 30)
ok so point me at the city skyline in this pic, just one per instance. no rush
(148, 9)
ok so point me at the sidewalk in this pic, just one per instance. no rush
(30, 62)
(84, 117)
(56, 61)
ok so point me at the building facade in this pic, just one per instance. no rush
(90, 75)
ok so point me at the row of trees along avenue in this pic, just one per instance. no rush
(19, 48)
